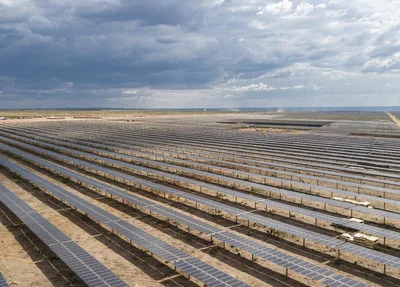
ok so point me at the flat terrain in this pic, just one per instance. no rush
(25, 114)
(262, 198)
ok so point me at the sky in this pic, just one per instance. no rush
(199, 53)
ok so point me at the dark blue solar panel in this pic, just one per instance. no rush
(3, 282)
(65, 250)
(167, 252)
(92, 272)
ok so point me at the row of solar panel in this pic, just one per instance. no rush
(277, 225)
(335, 203)
(241, 153)
(303, 268)
(298, 197)
(276, 166)
(325, 191)
(316, 141)
(313, 167)
(223, 142)
(167, 252)
(91, 271)
(253, 171)
(231, 163)
(276, 149)
(310, 148)
(224, 147)
(369, 229)
(250, 175)
(300, 143)
(295, 184)
(197, 143)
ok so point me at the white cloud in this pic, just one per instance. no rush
(305, 8)
(277, 8)
(264, 87)
(253, 87)
(129, 92)
(292, 87)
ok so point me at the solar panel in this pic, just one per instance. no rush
(342, 281)
(377, 212)
(241, 151)
(186, 220)
(315, 272)
(202, 184)
(222, 178)
(199, 162)
(371, 254)
(293, 209)
(308, 270)
(248, 147)
(231, 159)
(308, 235)
(147, 241)
(219, 144)
(206, 273)
(92, 272)
(3, 282)
(48, 233)
(365, 172)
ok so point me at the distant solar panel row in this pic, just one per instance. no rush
(134, 234)
(313, 198)
(145, 152)
(225, 147)
(305, 269)
(383, 190)
(190, 170)
(277, 225)
(161, 139)
(241, 153)
(92, 272)
(271, 140)
(224, 142)
(277, 148)
(199, 144)
(317, 142)
(160, 165)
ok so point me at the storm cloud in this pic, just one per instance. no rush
(198, 53)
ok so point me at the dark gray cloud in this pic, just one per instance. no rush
(198, 53)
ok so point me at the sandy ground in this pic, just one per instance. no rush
(274, 130)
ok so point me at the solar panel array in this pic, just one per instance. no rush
(266, 148)
(232, 159)
(327, 201)
(141, 238)
(272, 255)
(146, 153)
(269, 203)
(251, 217)
(91, 271)
(122, 142)
(171, 141)
(225, 144)
(114, 148)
